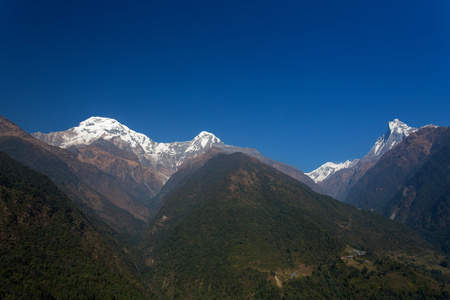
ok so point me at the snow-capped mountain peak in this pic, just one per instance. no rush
(95, 128)
(167, 156)
(397, 132)
(204, 140)
(207, 136)
(97, 124)
(399, 127)
(328, 169)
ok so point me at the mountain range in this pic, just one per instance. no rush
(405, 177)
(163, 158)
(337, 179)
(410, 184)
(132, 170)
(202, 219)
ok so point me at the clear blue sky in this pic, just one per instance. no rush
(304, 82)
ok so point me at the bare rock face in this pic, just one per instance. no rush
(294, 173)
(143, 182)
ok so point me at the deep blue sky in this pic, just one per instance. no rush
(304, 82)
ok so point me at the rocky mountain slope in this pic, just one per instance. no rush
(166, 158)
(385, 177)
(336, 180)
(410, 184)
(423, 203)
(101, 193)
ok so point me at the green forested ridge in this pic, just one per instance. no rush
(48, 249)
(236, 224)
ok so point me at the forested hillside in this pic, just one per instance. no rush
(48, 249)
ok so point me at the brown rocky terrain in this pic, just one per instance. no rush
(141, 182)
(388, 175)
(103, 191)
(411, 184)
(340, 183)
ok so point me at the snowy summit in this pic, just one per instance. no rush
(95, 128)
(328, 169)
(397, 132)
(162, 155)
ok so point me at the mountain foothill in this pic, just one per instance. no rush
(102, 211)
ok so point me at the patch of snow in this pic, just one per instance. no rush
(430, 125)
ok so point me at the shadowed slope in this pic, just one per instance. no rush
(423, 203)
(386, 177)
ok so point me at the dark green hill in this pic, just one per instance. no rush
(185, 170)
(48, 249)
(235, 224)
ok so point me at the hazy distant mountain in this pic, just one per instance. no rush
(164, 157)
(337, 179)
(233, 221)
